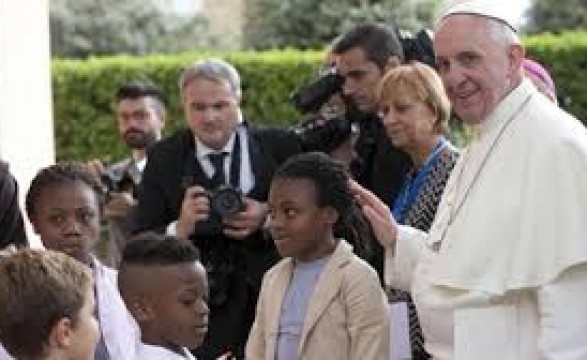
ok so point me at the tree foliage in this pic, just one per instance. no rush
(556, 15)
(98, 27)
(312, 24)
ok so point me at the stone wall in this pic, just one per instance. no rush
(226, 19)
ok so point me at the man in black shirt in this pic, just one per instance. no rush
(12, 230)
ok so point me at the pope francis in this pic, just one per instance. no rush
(502, 274)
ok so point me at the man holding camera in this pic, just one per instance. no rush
(363, 55)
(140, 116)
(209, 183)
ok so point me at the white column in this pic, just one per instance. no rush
(26, 114)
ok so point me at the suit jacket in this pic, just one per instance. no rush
(12, 230)
(243, 262)
(347, 315)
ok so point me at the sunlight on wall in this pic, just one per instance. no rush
(26, 120)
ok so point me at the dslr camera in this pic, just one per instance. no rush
(219, 256)
(226, 201)
(311, 97)
(118, 182)
(327, 128)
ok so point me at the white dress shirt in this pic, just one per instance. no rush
(246, 177)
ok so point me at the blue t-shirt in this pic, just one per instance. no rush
(295, 303)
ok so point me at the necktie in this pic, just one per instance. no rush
(217, 161)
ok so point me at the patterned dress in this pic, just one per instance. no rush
(420, 215)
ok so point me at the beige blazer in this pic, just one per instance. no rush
(347, 315)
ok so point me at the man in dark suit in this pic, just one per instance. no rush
(177, 196)
(12, 230)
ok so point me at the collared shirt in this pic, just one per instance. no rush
(140, 165)
(118, 328)
(246, 177)
(152, 352)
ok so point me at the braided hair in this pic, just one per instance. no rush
(58, 174)
(331, 180)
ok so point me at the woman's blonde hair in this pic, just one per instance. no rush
(423, 83)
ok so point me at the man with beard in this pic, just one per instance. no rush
(140, 114)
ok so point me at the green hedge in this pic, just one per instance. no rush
(83, 94)
(565, 56)
(83, 90)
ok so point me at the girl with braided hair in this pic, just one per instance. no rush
(321, 300)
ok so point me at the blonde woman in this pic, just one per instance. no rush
(415, 112)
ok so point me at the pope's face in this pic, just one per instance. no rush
(477, 70)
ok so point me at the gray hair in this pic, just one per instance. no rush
(216, 70)
(501, 32)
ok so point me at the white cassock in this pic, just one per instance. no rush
(503, 271)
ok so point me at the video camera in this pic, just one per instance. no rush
(323, 131)
(311, 97)
(326, 131)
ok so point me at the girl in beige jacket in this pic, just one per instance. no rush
(321, 301)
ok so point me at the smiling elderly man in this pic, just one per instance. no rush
(502, 274)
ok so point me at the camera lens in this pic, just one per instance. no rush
(226, 201)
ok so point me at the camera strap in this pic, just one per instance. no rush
(235, 163)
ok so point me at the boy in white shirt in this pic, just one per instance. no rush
(164, 286)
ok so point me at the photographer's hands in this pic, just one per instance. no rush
(244, 223)
(195, 207)
(118, 204)
(96, 167)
